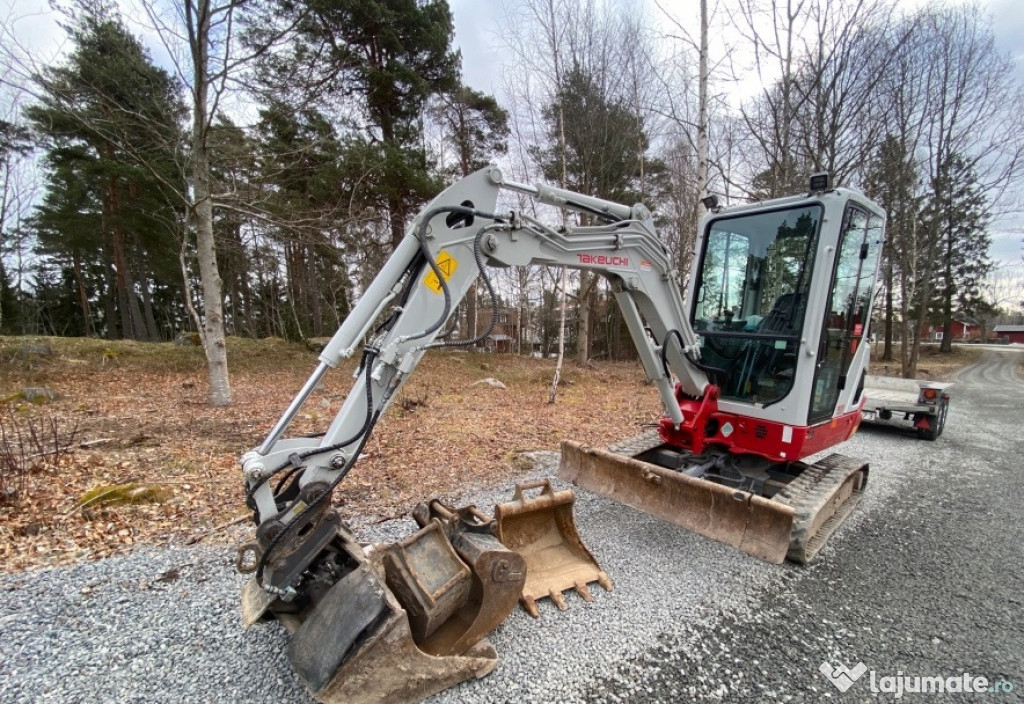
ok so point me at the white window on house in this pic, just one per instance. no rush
(938, 336)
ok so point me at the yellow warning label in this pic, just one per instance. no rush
(447, 265)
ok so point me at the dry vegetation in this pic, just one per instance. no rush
(128, 452)
(931, 365)
(140, 412)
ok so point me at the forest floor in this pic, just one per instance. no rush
(136, 413)
(931, 363)
(105, 445)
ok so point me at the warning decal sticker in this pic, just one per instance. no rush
(447, 265)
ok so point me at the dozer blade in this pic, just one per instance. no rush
(404, 622)
(794, 524)
(755, 525)
(542, 529)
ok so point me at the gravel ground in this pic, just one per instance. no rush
(925, 579)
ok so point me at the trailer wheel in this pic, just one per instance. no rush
(931, 432)
(937, 421)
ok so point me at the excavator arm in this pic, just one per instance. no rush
(413, 297)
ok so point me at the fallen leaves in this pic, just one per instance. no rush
(144, 421)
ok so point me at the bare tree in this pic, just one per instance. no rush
(539, 40)
(946, 93)
(18, 190)
(773, 30)
(201, 37)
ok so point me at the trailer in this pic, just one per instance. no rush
(892, 400)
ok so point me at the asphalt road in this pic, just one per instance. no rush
(928, 580)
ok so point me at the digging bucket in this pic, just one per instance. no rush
(757, 526)
(541, 528)
(404, 622)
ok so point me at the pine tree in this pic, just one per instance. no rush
(390, 54)
(474, 125)
(601, 138)
(301, 159)
(109, 121)
(892, 181)
(958, 216)
(15, 144)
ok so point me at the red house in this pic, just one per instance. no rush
(1011, 333)
(963, 328)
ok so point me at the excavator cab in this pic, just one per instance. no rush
(779, 300)
(750, 299)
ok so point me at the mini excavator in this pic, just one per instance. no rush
(759, 369)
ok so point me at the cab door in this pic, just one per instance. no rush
(848, 308)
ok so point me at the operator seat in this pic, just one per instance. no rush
(782, 315)
(765, 362)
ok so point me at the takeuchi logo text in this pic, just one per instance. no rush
(603, 260)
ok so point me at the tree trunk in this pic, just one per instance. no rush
(212, 326)
(583, 320)
(83, 295)
(564, 291)
(889, 302)
(552, 394)
(397, 210)
(152, 331)
(214, 343)
(702, 114)
(947, 296)
(115, 241)
(110, 300)
(471, 314)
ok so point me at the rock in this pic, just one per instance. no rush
(38, 394)
(187, 339)
(492, 382)
(34, 350)
(316, 344)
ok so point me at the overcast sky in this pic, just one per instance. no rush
(479, 33)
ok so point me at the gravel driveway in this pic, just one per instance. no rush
(926, 579)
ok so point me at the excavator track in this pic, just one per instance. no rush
(823, 495)
(794, 524)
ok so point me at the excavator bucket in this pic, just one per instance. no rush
(498, 576)
(794, 524)
(542, 529)
(405, 621)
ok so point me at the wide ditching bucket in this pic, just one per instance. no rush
(754, 524)
(541, 528)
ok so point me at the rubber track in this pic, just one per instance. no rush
(638, 444)
(809, 493)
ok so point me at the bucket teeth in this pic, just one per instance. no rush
(582, 590)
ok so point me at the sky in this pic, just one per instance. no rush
(480, 35)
